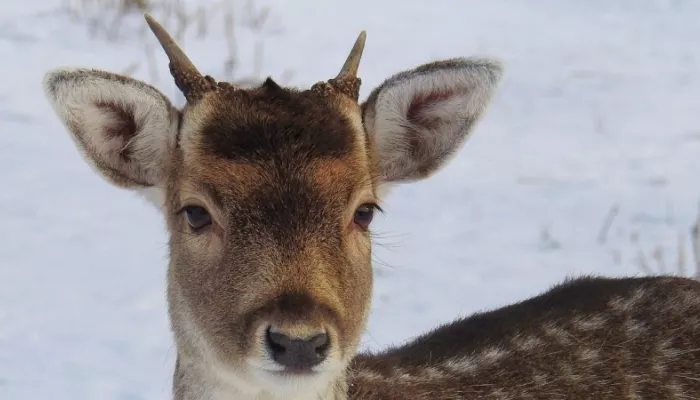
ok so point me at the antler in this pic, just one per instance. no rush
(347, 81)
(187, 78)
(349, 70)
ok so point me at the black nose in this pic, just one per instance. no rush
(297, 354)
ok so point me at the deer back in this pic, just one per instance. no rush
(587, 338)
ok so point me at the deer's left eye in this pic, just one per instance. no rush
(197, 217)
(364, 215)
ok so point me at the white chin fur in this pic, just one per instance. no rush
(289, 386)
(284, 386)
(258, 383)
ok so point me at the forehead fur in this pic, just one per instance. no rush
(296, 157)
(274, 124)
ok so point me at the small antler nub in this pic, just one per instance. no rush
(187, 78)
(347, 81)
(352, 64)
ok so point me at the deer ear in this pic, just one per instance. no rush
(124, 128)
(418, 118)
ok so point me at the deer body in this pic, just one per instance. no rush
(589, 338)
(269, 193)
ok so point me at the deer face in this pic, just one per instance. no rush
(269, 205)
(268, 194)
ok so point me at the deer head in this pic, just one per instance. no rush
(268, 195)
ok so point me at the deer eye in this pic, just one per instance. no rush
(364, 215)
(197, 217)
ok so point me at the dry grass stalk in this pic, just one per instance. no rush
(681, 256)
(695, 239)
(607, 223)
(681, 260)
(643, 263)
(113, 19)
(659, 258)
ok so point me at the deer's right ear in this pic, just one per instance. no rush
(125, 128)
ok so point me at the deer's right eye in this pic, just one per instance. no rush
(197, 217)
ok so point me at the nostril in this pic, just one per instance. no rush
(278, 342)
(320, 343)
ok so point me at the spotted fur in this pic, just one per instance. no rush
(588, 338)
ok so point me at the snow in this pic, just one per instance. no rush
(598, 108)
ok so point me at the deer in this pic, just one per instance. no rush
(269, 192)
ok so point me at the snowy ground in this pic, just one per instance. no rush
(600, 107)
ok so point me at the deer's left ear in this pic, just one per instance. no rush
(418, 118)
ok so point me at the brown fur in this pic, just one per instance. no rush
(279, 169)
(282, 172)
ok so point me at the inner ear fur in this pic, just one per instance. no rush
(125, 128)
(420, 117)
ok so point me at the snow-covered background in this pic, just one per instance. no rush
(599, 114)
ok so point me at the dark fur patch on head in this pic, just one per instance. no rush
(276, 124)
